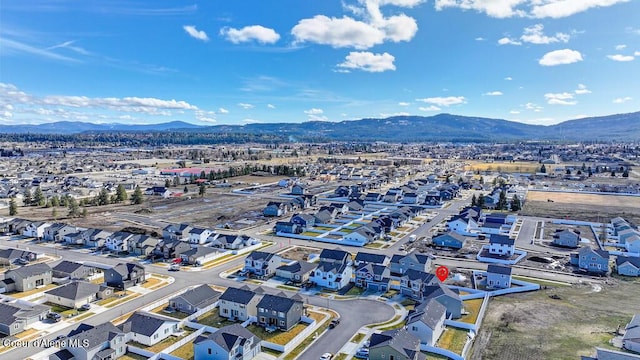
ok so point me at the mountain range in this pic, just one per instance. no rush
(442, 127)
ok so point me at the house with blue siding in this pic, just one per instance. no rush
(628, 265)
(593, 260)
(450, 239)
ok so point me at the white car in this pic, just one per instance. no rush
(326, 356)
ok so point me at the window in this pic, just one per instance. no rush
(225, 311)
(281, 322)
(414, 328)
(209, 351)
(281, 314)
(156, 336)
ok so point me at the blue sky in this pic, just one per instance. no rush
(244, 61)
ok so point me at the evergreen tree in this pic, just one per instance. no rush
(516, 205)
(55, 201)
(54, 213)
(185, 190)
(625, 174)
(613, 173)
(84, 212)
(480, 201)
(202, 190)
(137, 197)
(13, 207)
(121, 193)
(74, 208)
(26, 197)
(167, 183)
(38, 197)
(103, 197)
(474, 200)
(502, 201)
(543, 169)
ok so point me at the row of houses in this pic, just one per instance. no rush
(627, 235)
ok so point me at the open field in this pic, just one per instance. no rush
(578, 206)
(506, 166)
(521, 325)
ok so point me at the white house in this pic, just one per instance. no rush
(501, 245)
(149, 329)
(229, 342)
(631, 338)
(332, 275)
(498, 276)
(426, 322)
(199, 235)
(118, 241)
(36, 229)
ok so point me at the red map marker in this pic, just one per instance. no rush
(442, 272)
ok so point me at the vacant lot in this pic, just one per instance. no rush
(536, 326)
(299, 253)
(578, 206)
(507, 166)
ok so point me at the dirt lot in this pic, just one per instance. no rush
(535, 326)
(507, 166)
(587, 207)
(299, 253)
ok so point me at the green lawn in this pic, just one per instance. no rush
(453, 340)
(277, 337)
(473, 307)
(213, 319)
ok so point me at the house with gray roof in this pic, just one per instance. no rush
(427, 322)
(594, 261)
(397, 344)
(631, 338)
(124, 275)
(95, 238)
(450, 239)
(104, 341)
(72, 270)
(57, 231)
(400, 264)
(17, 316)
(501, 245)
(199, 255)
(141, 245)
(445, 296)
(195, 299)
(607, 354)
(569, 238)
(370, 258)
(232, 242)
(628, 265)
(10, 256)
(262, 263)
(498, 276)
(296, 271)
(229, 342)
(176, 232)
(238, 304)
(77, 293)
(372, 276)
(29, 277)
(413, 283)
(279, 311)
(149, 329)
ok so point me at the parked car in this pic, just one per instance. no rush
(334, 323)
(362, 353)
(85, 307)
(54, 316)
(22, 261)
(326, 356)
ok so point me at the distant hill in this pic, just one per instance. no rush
(442, 127)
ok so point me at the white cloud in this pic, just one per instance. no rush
(508, 78)
(251, 121)
(493, 93)
(621, 47)
(563, 8)
(271, 106)
(508, 41)
(257, 33)
(373, 28)
(622, 58)
(444, 101)
(387, 115)
(534, 35)
(429, 108)
(560, 57)
(369, 62)
(480, 38)
(582, 89)
(533, 107)
(637, 53)
(514, 112)
(195, 33)
(246, 106)
(205, 116)
(402, 103)
(526, 8)
(9, 46)
(223, 111)
(564, 98)
(622, 100)
(315, 114)
(314, 111)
